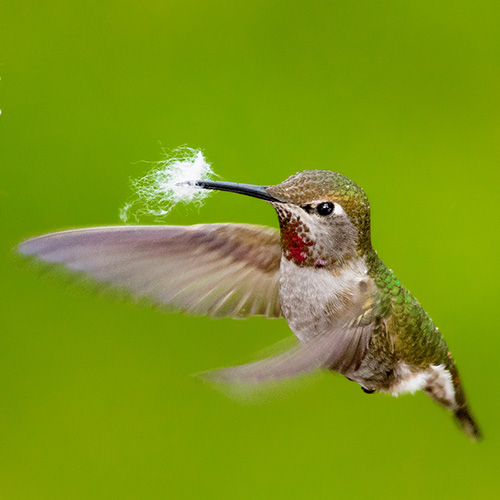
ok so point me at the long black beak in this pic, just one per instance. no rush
(236, 187)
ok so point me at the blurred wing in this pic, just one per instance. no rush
(212, 269)
(340, 348)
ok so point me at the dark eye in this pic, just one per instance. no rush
(325, 208)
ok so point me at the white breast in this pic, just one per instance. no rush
(307, 292)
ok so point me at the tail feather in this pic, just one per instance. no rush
(467, 423)
(444, 386)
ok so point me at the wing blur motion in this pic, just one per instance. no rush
(340, 348)
(218, 270)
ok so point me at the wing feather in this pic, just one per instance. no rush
(212, 269)
(340, 347)
(337, 350)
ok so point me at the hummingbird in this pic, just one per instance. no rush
(348, 311)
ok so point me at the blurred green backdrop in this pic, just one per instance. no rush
(96, 395)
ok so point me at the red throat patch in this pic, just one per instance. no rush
(295, 242)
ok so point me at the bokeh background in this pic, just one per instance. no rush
(96, 397)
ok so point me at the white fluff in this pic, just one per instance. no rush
(444, 382)
(411, 383)
(166, 185)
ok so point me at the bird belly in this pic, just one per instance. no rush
(435, 380)
(381, 374)
(408, 380)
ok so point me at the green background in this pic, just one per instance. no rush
(96, 397)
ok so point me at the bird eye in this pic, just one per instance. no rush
(325, 208)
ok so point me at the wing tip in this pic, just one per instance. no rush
(23, 248)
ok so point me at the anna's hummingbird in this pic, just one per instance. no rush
(320, 272)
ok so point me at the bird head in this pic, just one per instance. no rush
(324, 216)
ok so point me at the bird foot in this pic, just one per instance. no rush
(367, 391)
